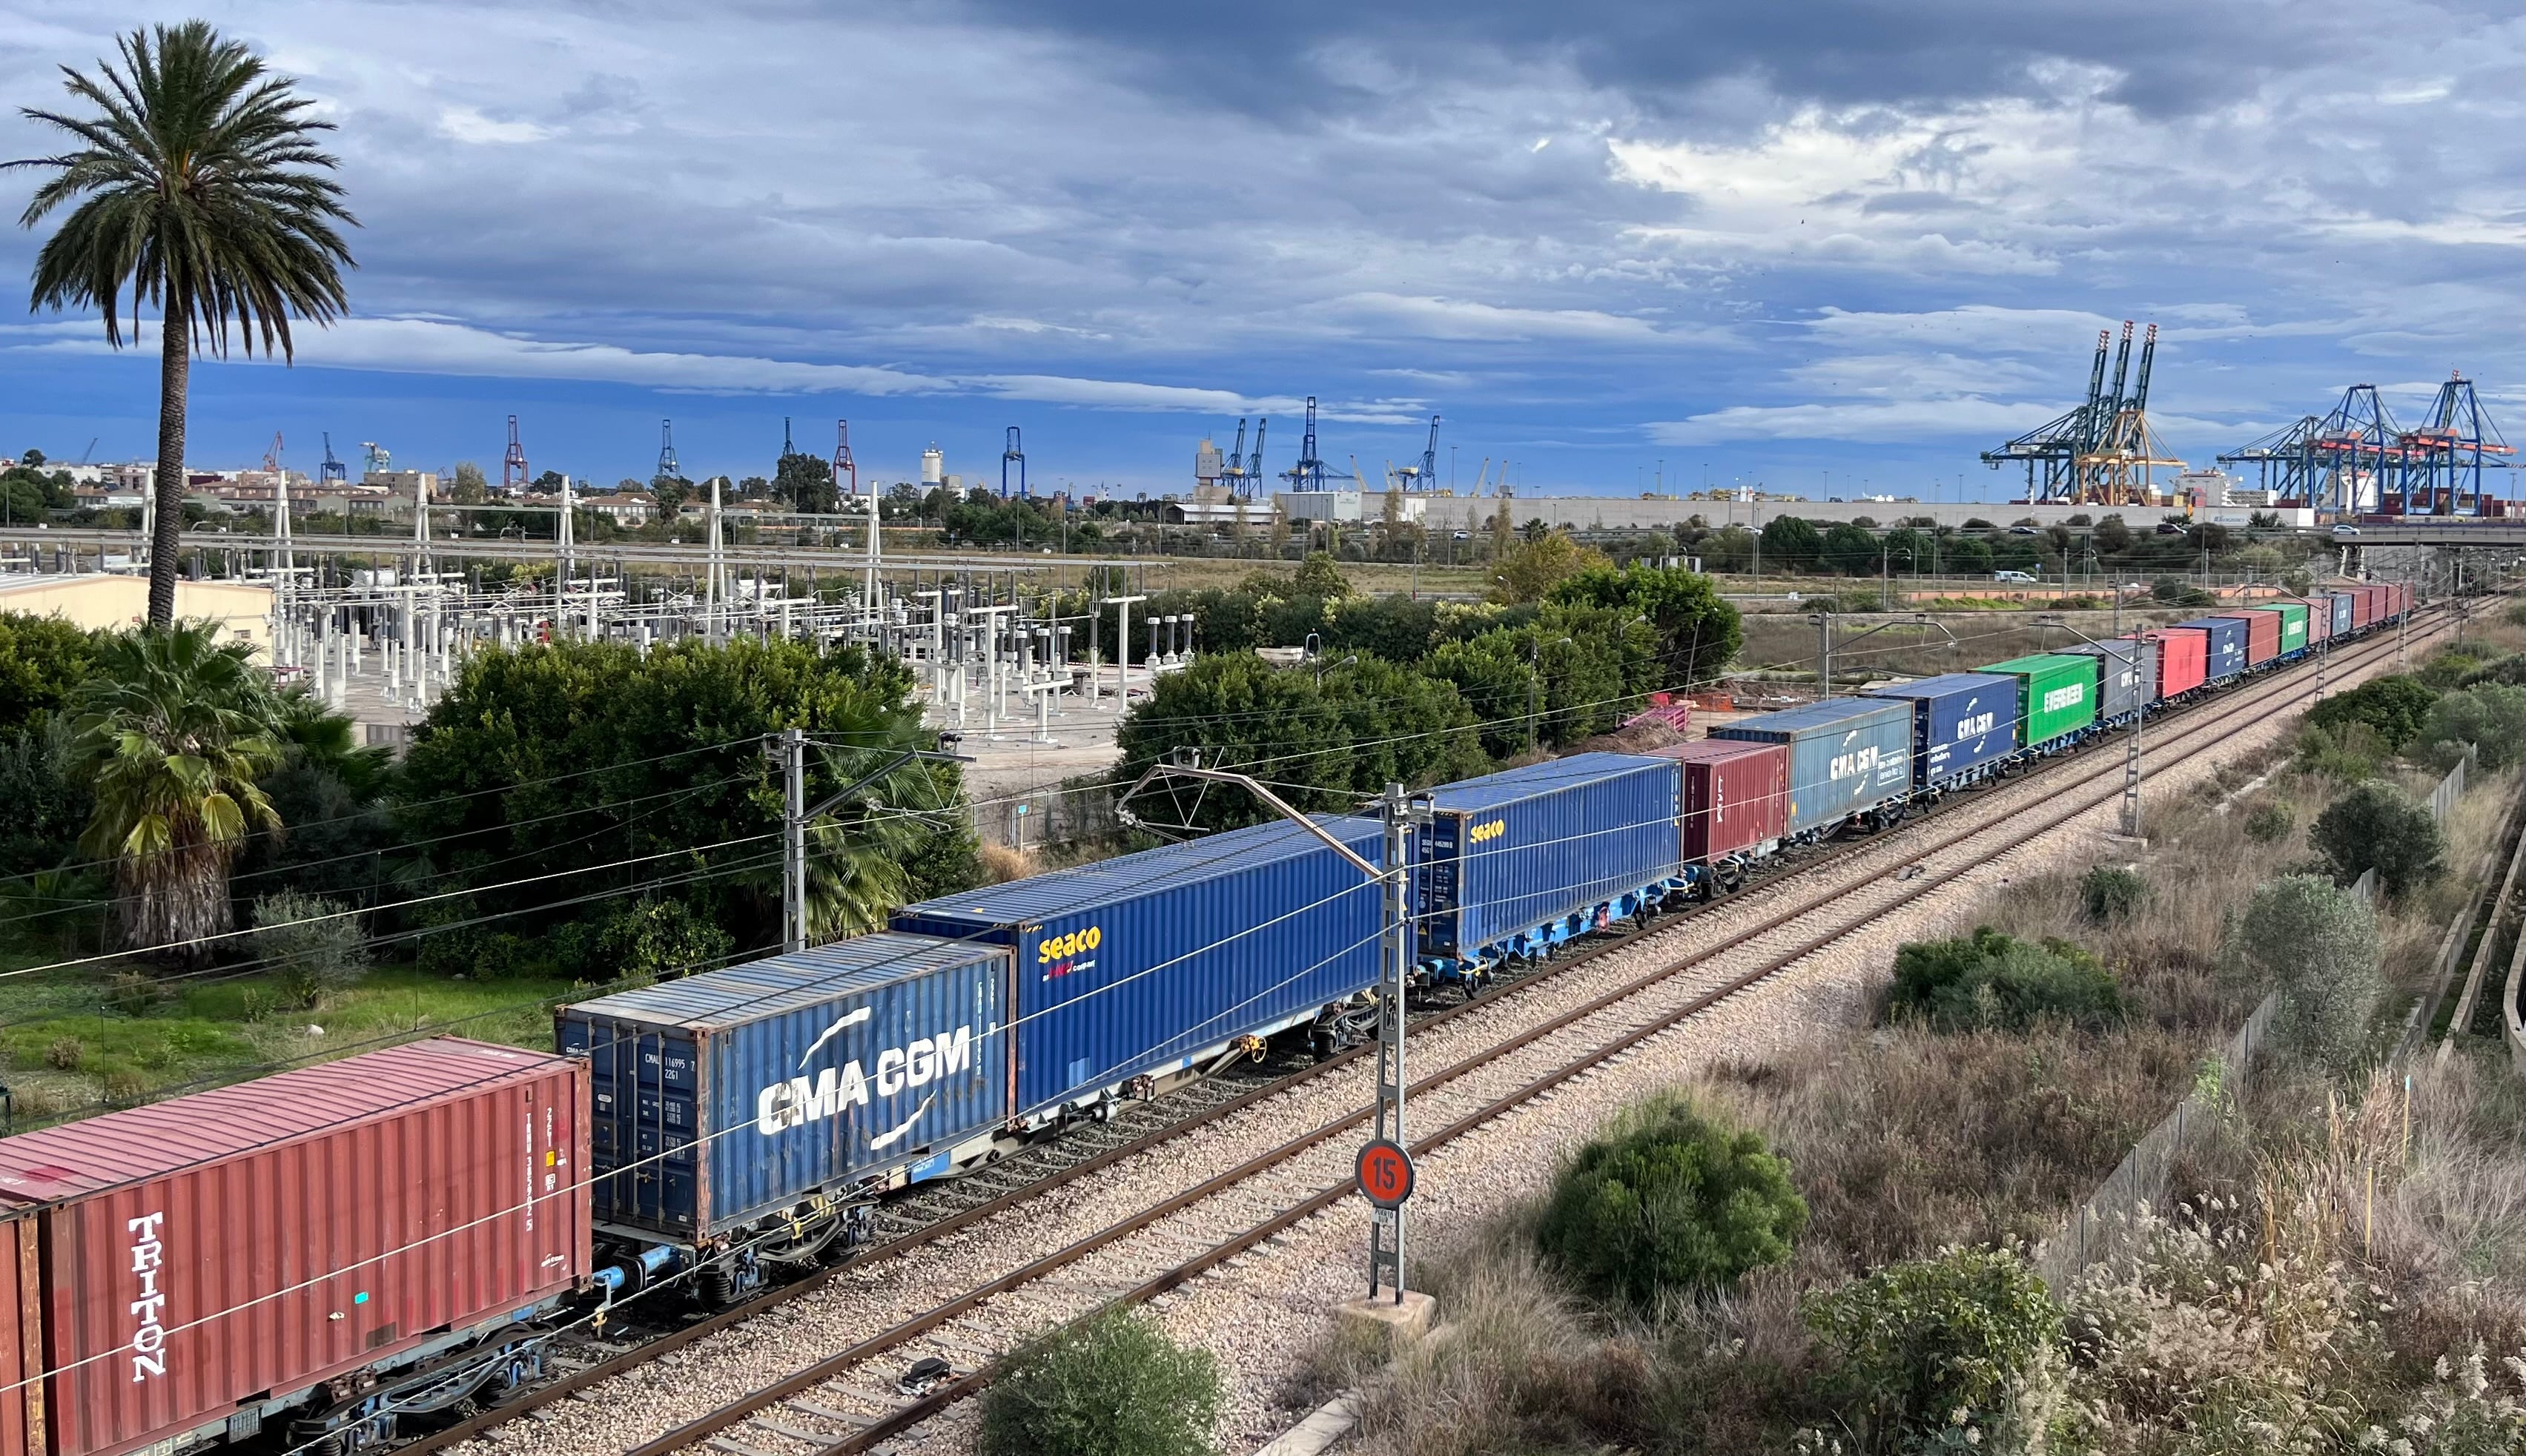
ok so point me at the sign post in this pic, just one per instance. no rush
(1384, 1166)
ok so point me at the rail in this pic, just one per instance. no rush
(2484, 949)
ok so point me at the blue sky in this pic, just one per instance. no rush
(1834, 241)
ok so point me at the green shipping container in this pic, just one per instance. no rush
(2059, 694)
(2292, 625)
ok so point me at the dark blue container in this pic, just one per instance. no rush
(1151, 962)
(2227, 652)
(1960, 721)
(725, 1098)
(1848, 756)
(2126, 676)
(1512, 861)
(2340, 604)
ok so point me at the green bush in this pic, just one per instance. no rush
(1112, 1385)
(2393, 705)
(313, 946)
(1992, 980)
(1954, 1352)
(2378, 826)
(2491, 716)
(651, 940)
(2318, 944)
(1669, 1202)
(2270, 823)
(2111, 893)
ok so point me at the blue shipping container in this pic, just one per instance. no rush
(2127, 676)
(2226, 651)
(1508, 854)
(723, 1097)
(1147, 963)
(2340, 604)
(1847, 756)
(1960, 721)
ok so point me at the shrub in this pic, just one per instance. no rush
(2394, 705)
(2318, 944)
(2491, 716)
(1668, 1201)
(313, 946)
(2378, 826)
(1992, 980)
(649, 940)
(1112, 1385)
(65, 1054)
(2111, 893)
(1956, 1351)
(134, 992)
(2270, 823)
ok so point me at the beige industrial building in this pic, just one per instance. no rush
(111, 602)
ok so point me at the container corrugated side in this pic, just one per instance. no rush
(22, 1334)
(722, 1097)
(2293, 633)
(2319, 619)
(1736, 795)
(255, 1240)
(2343, 624)
(1509, 851)
(2126, 675)
(2183, 658)
(2225, 654)
(1141, 963)
(2059, 694)
(1847, 756)
(2263, 635)
(2363, 606)
(1961, 721)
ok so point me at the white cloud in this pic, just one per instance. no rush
(1467, 319)
(467, 124)
(1851, 421)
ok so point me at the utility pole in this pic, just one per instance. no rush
(1824, 651)
(1123, 649)
(1385, 1226)
(793, 860)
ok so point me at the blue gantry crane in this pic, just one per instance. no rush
(332, 472)
(2358, 460)
(1309, 473)
(1016, 455)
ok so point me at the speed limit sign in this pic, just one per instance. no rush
(1385, 1174)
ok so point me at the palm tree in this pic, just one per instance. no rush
(857, 854)
(199, 186)
(173, 731)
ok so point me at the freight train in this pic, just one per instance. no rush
(345, 1254)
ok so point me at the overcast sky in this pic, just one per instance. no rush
(1789, 243)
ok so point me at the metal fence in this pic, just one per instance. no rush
(2450, 788)
(2105, 1224)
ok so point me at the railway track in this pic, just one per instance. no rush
(1519, 1052)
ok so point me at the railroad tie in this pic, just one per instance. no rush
(734, 1448)
(820, 1438)
(828, 1413)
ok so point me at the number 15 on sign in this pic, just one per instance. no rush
(1386, 1174)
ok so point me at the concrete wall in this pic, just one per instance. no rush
(110, 603)
(1615, 512)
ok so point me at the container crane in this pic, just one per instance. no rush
(1309, 473)
(1013, 454)
(332, 472)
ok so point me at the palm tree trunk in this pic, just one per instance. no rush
(175, 375)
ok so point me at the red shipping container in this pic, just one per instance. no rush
(2183, 658)
(22, 1334)
(2263, 635)
(209, 1254)
(2319, 617)
(2363, 606)
(1736, 795)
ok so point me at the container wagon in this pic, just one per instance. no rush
(1735, 799)
(1140, 972)
(2292, 639)
(781, 1097)
(1851, 760)
(2183, 659)
(316, 1255)
(1517, 863)
(1964, 726)
(2126, 677)
(2056, 700)
(2224, 652)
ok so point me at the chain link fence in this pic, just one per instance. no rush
(2105, 1225)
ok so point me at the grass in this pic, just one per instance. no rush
(75, 1043)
